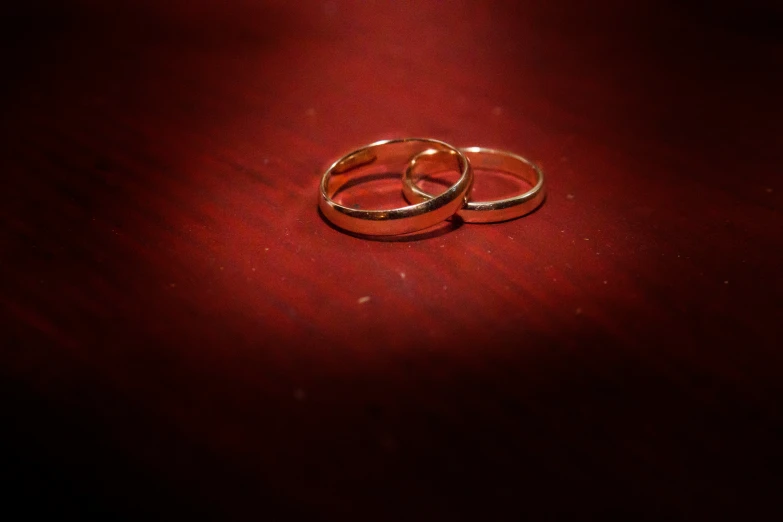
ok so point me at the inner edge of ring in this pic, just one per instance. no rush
(497, 204)
(412, 210)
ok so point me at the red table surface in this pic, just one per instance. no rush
(183, 333)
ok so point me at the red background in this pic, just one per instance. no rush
(183, 332)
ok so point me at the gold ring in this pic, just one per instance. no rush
(487, 211)
(396, 154)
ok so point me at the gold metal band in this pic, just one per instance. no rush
(393, 155)
(486, 211)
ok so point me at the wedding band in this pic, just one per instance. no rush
(393, 154)
(487, 211)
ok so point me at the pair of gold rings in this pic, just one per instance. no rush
(422, 156)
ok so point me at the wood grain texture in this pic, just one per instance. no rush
(182, 332)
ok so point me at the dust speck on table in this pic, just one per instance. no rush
(364, 299)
